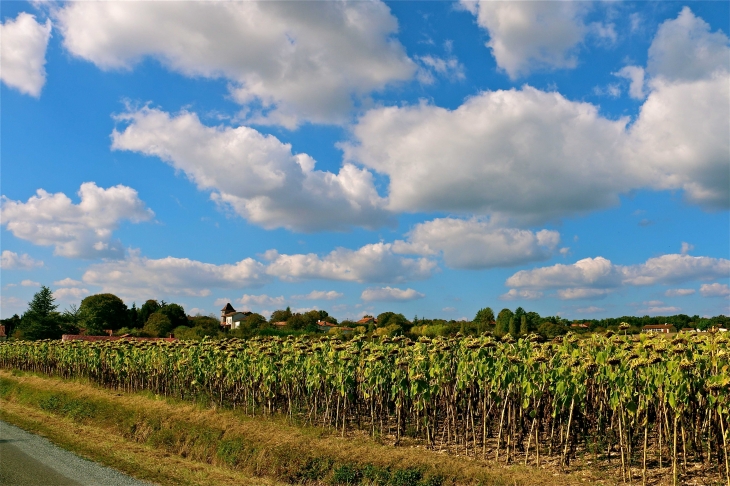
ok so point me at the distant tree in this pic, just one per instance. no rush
(484, 319)
(147, 309)
(133, 315)
(10, 324)
(176, 314)
(502, 325)
(296, 322)
(103, 311)
(513, 327)
(158, 324)
(40, 321)
(392, 319)
(280, 315)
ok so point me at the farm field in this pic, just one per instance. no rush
(648, 410)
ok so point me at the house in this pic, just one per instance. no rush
(367, 320)
(231, 318)
(659, 328)
(580, 325)
(279, 325)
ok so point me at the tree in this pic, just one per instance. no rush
(147, 309)
(296, 322)
(40, 321)
(103, 311)
(392, 319)
(280, 315)
(158, 324)
(502, 325)
(513, 327)
(524, 327)
(10, 324)
(176, 314)
(484, 319)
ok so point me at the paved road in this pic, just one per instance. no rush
(30, 460)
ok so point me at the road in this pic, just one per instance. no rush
(30, 460)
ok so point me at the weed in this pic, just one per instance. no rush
(346, 474)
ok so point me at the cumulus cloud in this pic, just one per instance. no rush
(684, 49)
(30, 283)
(596, 277)
(514, 294)
(137, 277)
(9, 260)
(591, 310)
(67, 282)
(432, 66)
(23, 53)
(657, 307)
(81, 230)
(10, 305)
(390, 294)
(319, 295)
(70, 293)
(371, 263)
(715, 290)
(535, 155)
(288, 61)
(635, 74)
(262, 299)
(478, 244)
(679, 292)
(524, 36)
(257, 175)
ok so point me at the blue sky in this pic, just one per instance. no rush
(429, 158)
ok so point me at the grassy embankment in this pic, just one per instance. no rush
(171, 442)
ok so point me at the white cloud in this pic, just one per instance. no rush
(659, 309)
(289, 61)
(684, 49)
(449, 68)
(67, 282)
(687, 247)
(30, 283)
(70, 293)
(319, 295)
(596, 277)
(679, 292)
(138, 277)
(371, 263)
(221, 301)
(525, 36)
(535, 155)
(260, 300)
(23, 53)
(255, 174)
(715, 290)
(582, 293)
(635, 74)
(524, 153)
(390, 294)
(9, 260)
(10, 305)
(477, 244)
(81, 230)
(514, 294)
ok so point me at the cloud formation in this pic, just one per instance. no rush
(288, 62)
(137, 277)
(477, 244)
(9, 260)
(261, 300)
(319, 295)
(81, 230)
(257, 175)
(715, 290)
(595, 277)
(23, 53)
(390, 294)
(525, 36)
(371, 263)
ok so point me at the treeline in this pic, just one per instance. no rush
(100, 313)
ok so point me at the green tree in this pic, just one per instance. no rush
(524, 327)
(40, 321)
(484, 319)
(176, 314)
(158, 324)
(296, 322)
(513, 328)
(103, 311)
(392, 319)
(502, 325)
(280, 315)
(147, 309)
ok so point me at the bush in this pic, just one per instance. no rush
(346, 474)
(406, 477)
(158, 325)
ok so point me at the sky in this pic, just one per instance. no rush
(428, 158)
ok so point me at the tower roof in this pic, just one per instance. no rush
(228, 308)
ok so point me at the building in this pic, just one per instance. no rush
(659, 328)
(367, 320)
(231, 318)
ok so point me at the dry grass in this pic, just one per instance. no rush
(173, 442)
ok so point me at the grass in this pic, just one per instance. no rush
(171, 442)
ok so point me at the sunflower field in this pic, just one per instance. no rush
(646, 401)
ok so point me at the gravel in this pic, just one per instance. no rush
(31, 460)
